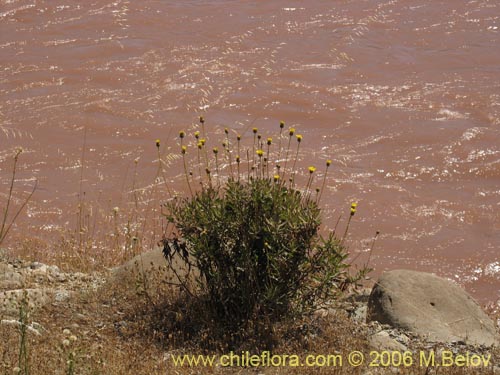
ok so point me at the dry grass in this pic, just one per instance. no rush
(124, 328)
(119, 332)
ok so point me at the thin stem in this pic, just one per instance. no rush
(238, 138)
(253, 146)
(238, 161)
(81, 194)
(308, 186)
(282, 124)
(84, 146)
(9, 197)
(286, 156)
(371, 248)
(228, 150)
(347, 228)
(295, 161)
(248, 165)
(6, 227)
(4, 234)
(199, 164)
(203, 140)
(217, 168)
(336, 225)
(268, 156)
(324, 181)
(161, 170)
(186, 172)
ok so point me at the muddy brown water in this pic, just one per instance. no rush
(403, 96)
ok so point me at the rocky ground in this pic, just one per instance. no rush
(77, 301)
(39, 284)
(384, 337)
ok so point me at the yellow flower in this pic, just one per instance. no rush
(224, 144)
(276, 177)
(312, 169)
(202, 120)
(260, 153)
(157, 143)
(354, 205)
(237, 159)
(197, 134)
(269, 141)
(182, 134)
(291, 131)
(202, 141)
(254, 130)
(238, 137)
(216, 150)
(299, 138)
(200, 145)
(183, 149)
(259, 136)
(226, 130)
(282, 124)
(328, 162)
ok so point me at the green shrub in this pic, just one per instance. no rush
(254, 244)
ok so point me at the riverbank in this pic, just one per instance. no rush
(110, 323)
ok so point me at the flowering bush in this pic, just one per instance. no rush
(253, 240)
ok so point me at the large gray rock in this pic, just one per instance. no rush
(430, 306)
(150, 264)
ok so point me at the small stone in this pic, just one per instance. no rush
(37, 265)
(39, 275)
(62, 295)
(61, 277)
(383, 341)
(53, 270)
(359, 313)
(403, 338)
(41, 268)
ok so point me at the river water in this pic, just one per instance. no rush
(402, 95)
